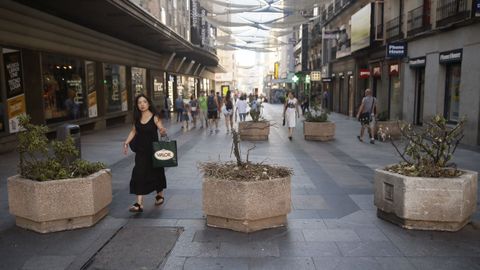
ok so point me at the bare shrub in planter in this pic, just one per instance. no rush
(245, 196)
(426, 191)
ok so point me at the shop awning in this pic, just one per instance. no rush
(126, 21)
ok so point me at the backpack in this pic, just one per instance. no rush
(211, 103)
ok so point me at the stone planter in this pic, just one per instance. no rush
(254, 131)
(421, 203)
(246, 206)
(59, 205)
(392, 127)
(319, 131)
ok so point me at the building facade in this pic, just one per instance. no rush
(60, 66)
(418, 57)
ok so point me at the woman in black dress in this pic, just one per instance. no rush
(145, 178)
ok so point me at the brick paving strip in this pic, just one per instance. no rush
(333, 224)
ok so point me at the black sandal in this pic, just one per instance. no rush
(136, 208)
(159, 200)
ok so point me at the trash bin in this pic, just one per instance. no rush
(73, 130)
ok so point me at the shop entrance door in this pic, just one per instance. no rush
(419, 96)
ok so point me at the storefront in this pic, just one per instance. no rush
(442, 79)
(395, 95)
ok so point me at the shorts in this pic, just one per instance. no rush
(212, 114)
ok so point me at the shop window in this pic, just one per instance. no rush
(452, 92)
(115, 86)
(139, 81)
(63, 88)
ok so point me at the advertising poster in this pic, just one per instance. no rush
(13, 73)
(15, 107)
(92, 104)
(91, 93)
(124, 101)
(361, 28)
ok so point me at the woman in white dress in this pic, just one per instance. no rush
(290, 113)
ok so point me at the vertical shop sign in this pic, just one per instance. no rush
(204, 28)
(91, 93)
(15, 107)
(477, 8)
(13, 73)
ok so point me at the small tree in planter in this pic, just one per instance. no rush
(386, 128)
(258, 129)
(316, 126)
(245, 196)
(56, 190)
(426, 191)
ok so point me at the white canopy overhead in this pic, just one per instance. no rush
(257, 24)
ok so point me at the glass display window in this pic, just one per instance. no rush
(63, 88)
(91, 88)
(139, 81)
(114, 81)
(452, 92)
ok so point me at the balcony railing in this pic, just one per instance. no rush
(393, 29)
(450, 11)
(418, 20)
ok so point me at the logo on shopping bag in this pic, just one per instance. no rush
(164, 154)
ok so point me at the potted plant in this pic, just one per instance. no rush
(384, 127)
(258, 129)
(55, 190)
(245, 196)
(316, 126)
(426, 191)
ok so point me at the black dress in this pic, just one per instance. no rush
(145, 178)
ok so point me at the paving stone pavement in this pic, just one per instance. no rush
(333, 223)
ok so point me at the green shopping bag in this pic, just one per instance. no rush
(165, 153)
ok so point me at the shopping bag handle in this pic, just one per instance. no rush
(164, 138)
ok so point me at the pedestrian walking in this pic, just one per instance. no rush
(228, 113)
(325, 99)
(194, 110)
(291, 113)
(166, 107)
(213, 111)
(202, 102)
(220, 104)
(366, 114)
(145, 179)
(179, 108)
(242, 106)
(185, 116)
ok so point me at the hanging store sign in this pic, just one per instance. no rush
(377, 72)
(315, 76)
(327, 80)
(394, 70)
(364, 73)
(360, 28)
(417, 62)
(397, 50)
(451, 56)
(276, 68)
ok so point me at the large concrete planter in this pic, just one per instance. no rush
(319, 131)
(254, 131)
(391, 127)
(246, 206)
(59, 205)
(444, 204)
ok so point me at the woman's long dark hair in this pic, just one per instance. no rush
(137, 114)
